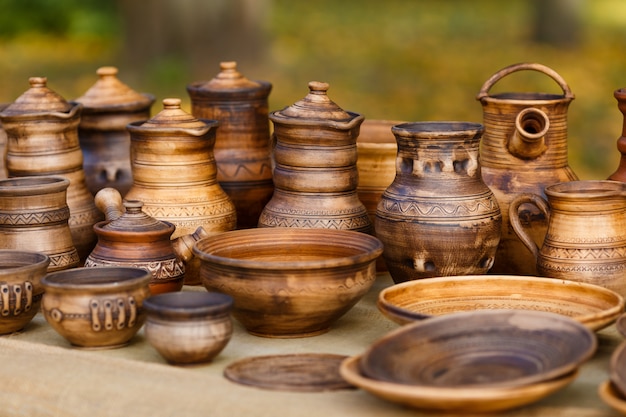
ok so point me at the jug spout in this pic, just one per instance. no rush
(528, 140)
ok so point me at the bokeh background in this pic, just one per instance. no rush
(394, 59)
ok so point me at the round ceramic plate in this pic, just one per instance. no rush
(477, 399)
(594, 306)
(487, 348)
(612, 397)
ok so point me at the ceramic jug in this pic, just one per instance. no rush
(34, 216)
(585, 239)
(42, 140)
(524, 149)
(315, 174)
(438, 218)
(108, 106)
(620, 173)
(242, 141)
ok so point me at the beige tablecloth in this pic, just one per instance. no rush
(41, 375)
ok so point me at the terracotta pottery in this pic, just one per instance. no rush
(129, 237)
(175, 175)
(42, 132)
(617, 368)
(620, 173)
(189, 327)
(524, 149)
(96, 308)
(34, 217)
(438, 217)
(611, 396)
(585, 240)
(242, 142)
(108, 106)
(315, 175)
(20, 287)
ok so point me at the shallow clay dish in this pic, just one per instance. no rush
(609, 393)
(594, 306)
(465, 399)
(485, 348)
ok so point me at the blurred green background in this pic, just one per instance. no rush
(394, 59)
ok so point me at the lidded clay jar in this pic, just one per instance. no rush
(108, 106)
(315, 175)
(242, 145)
(42, 140)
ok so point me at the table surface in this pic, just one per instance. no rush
(42, 375)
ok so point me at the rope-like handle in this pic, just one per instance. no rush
(484, 91)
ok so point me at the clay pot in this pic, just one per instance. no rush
(20, 287)
(42, 132)
(108, 106)
(242, 142)
(175, 175)
(129, 237)
(438, 217)
(34, 217)
(585, 240)
(315, 176)
(620, 173)
(524, 149)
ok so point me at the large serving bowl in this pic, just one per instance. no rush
(20, 287)
(289, 282)
(592, 305)
(96, 307)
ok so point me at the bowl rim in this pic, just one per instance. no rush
(81, 278)
(39, 260)
(204, 303)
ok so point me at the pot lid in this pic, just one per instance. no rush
(229, 79)
(316, 105)
(108, 91)
(38, 99)
(134, 220)
(173, 115)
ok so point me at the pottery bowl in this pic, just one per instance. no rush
(486, 348)
(617, 368)
(592, 305)
(188, 327)
(289, 282)
(20, 287)
(96, 307)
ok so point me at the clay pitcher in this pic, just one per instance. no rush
(620, 173)
(108, 106)
(585, 240)
(438, 218)
(242, 141)
(34, 216)
(315, 176)
(42, 140)
(524, 149)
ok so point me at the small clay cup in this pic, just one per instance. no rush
(189, 327)
(20, 287)
(96, 307)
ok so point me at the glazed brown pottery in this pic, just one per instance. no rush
(96, 307)
(620, 173)
(524, 149)
(175, 175)
(34, 217)
(242, 141)
(20, 287)
(315, 175)
(585, 240)
(108, 106)
(42, 132)
(287, 281)
(438, 217)
(129, 237)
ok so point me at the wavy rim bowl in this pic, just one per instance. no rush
(432, 297)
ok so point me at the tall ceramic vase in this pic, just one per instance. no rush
(438, 217)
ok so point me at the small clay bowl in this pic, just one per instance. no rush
(20, 287)
(188, 327)
(289, 282)
(96, 307)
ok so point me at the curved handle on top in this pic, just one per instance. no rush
(484, 91)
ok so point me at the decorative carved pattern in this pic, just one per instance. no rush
(595, 240)
(104, 314)
(352, 223)
(164, 270)
(583, 267)
(17, 298)
(470, 207)
(26, 219)
(234, 170)
(584, 253)
(89, 218)
(312, 212)
(205, 210)
(58, 260)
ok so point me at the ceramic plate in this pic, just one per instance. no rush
(612, 397)
(477, 399)
(594, 306)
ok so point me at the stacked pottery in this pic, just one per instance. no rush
(242, 142)
(42, 132)
(108, 106)
(524, 149)
(315, 176)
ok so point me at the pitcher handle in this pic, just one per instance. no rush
(516, 223)
(484, 91)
